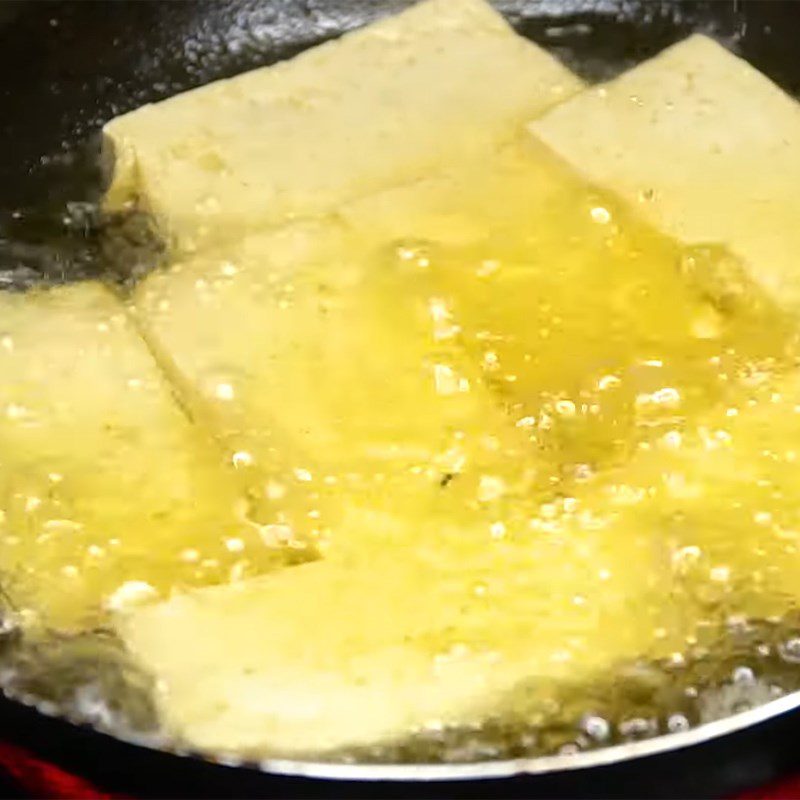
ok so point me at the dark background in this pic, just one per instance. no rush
(66, 68)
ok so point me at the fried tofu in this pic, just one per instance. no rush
(389, 641)
(368, 356)
(703, 146)
(391, 101)
(108, 493)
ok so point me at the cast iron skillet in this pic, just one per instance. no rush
(65, 68)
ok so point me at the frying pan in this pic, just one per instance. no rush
(66, 68)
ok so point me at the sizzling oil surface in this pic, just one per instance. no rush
(592, 330)
(440, 327)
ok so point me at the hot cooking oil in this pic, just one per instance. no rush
(531, 430)
(593, 331)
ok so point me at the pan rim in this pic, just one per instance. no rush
(537, 765)
(479, 770)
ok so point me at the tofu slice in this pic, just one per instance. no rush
(704, 146)
(381, 105)
(699, 529)
(375, 646)
(308, 355)
(428, 610)
(108, 493)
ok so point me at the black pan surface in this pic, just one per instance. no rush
(67, 67)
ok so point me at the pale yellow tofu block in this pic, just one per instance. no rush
(108, 494)
(391, 641)
(704, 146)
(381, 105)
(340, 359)
(308, 355)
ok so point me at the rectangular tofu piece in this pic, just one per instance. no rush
(108, 493)
(593, 330)
(702, 145)
(382, 104)
(306, 352)
(390, 641)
